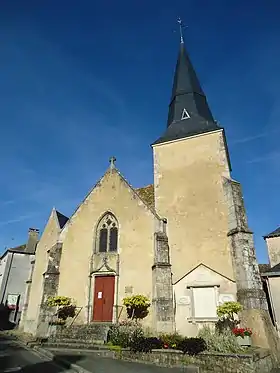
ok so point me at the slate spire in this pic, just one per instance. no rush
(189, 113)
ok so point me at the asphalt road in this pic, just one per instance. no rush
(14, 358)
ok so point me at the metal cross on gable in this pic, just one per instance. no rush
(181, 28)
(112, 162)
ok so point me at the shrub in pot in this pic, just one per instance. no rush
(227, 313)
(137, 306)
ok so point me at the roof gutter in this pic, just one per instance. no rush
(270, 274)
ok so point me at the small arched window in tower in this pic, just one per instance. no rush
(108, 234)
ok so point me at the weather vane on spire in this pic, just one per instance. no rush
(181, 27)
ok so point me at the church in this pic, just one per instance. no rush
(183, 241)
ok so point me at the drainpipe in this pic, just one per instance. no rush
(89, 289)
(7, 279)
(117, 287)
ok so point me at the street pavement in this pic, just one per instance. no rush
(14, 358)
(97, 364)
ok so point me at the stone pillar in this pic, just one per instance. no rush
(162, 302)
(250, 291)
(50, 288)
(27, 294)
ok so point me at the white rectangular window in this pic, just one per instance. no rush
(205, 302)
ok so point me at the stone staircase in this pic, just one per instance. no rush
(90, 337)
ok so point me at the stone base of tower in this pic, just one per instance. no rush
(163, 310)
(163, 316)
(264, 334)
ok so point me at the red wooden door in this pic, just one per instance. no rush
(104, 290)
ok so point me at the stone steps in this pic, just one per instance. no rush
(89, 333)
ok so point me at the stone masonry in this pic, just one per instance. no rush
(27, 294)
(248, 281)
(50, 287)
(163, 311)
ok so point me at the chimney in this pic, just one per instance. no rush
(33, 238)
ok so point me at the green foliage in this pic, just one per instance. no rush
(192, 346)
(65, 308)
(145, 344)
(130, 334)
(229, 310)
(227, 313)
(171, 340)
(220, 342)
(59, 301)
(137, 306)
(123, 333)
(66, 311)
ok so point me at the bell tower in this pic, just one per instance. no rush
(190, 161)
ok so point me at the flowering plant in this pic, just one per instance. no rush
(242, 332)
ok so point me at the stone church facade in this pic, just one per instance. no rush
(184, 241)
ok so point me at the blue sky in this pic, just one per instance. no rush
(81, 81)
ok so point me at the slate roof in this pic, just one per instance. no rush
(264, 268)
(147, 193)
(276, 268)
(20, 249)
(275, 233)
(272, 270)
(187, 97)
(62, 219)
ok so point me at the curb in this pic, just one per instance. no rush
(62, 362)
(49, 356)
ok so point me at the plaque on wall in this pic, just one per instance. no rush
(128, 290)
(184, 300)
(226, 298)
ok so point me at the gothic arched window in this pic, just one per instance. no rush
(107, 234)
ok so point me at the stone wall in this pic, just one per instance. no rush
(87, 333)
(258, 362)
(250, 291)
(163, 310)
(50, 287)
(248, 281)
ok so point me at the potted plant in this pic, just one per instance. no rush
(228, 316)
(64, 310)
(243, 336)
(137, 306)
